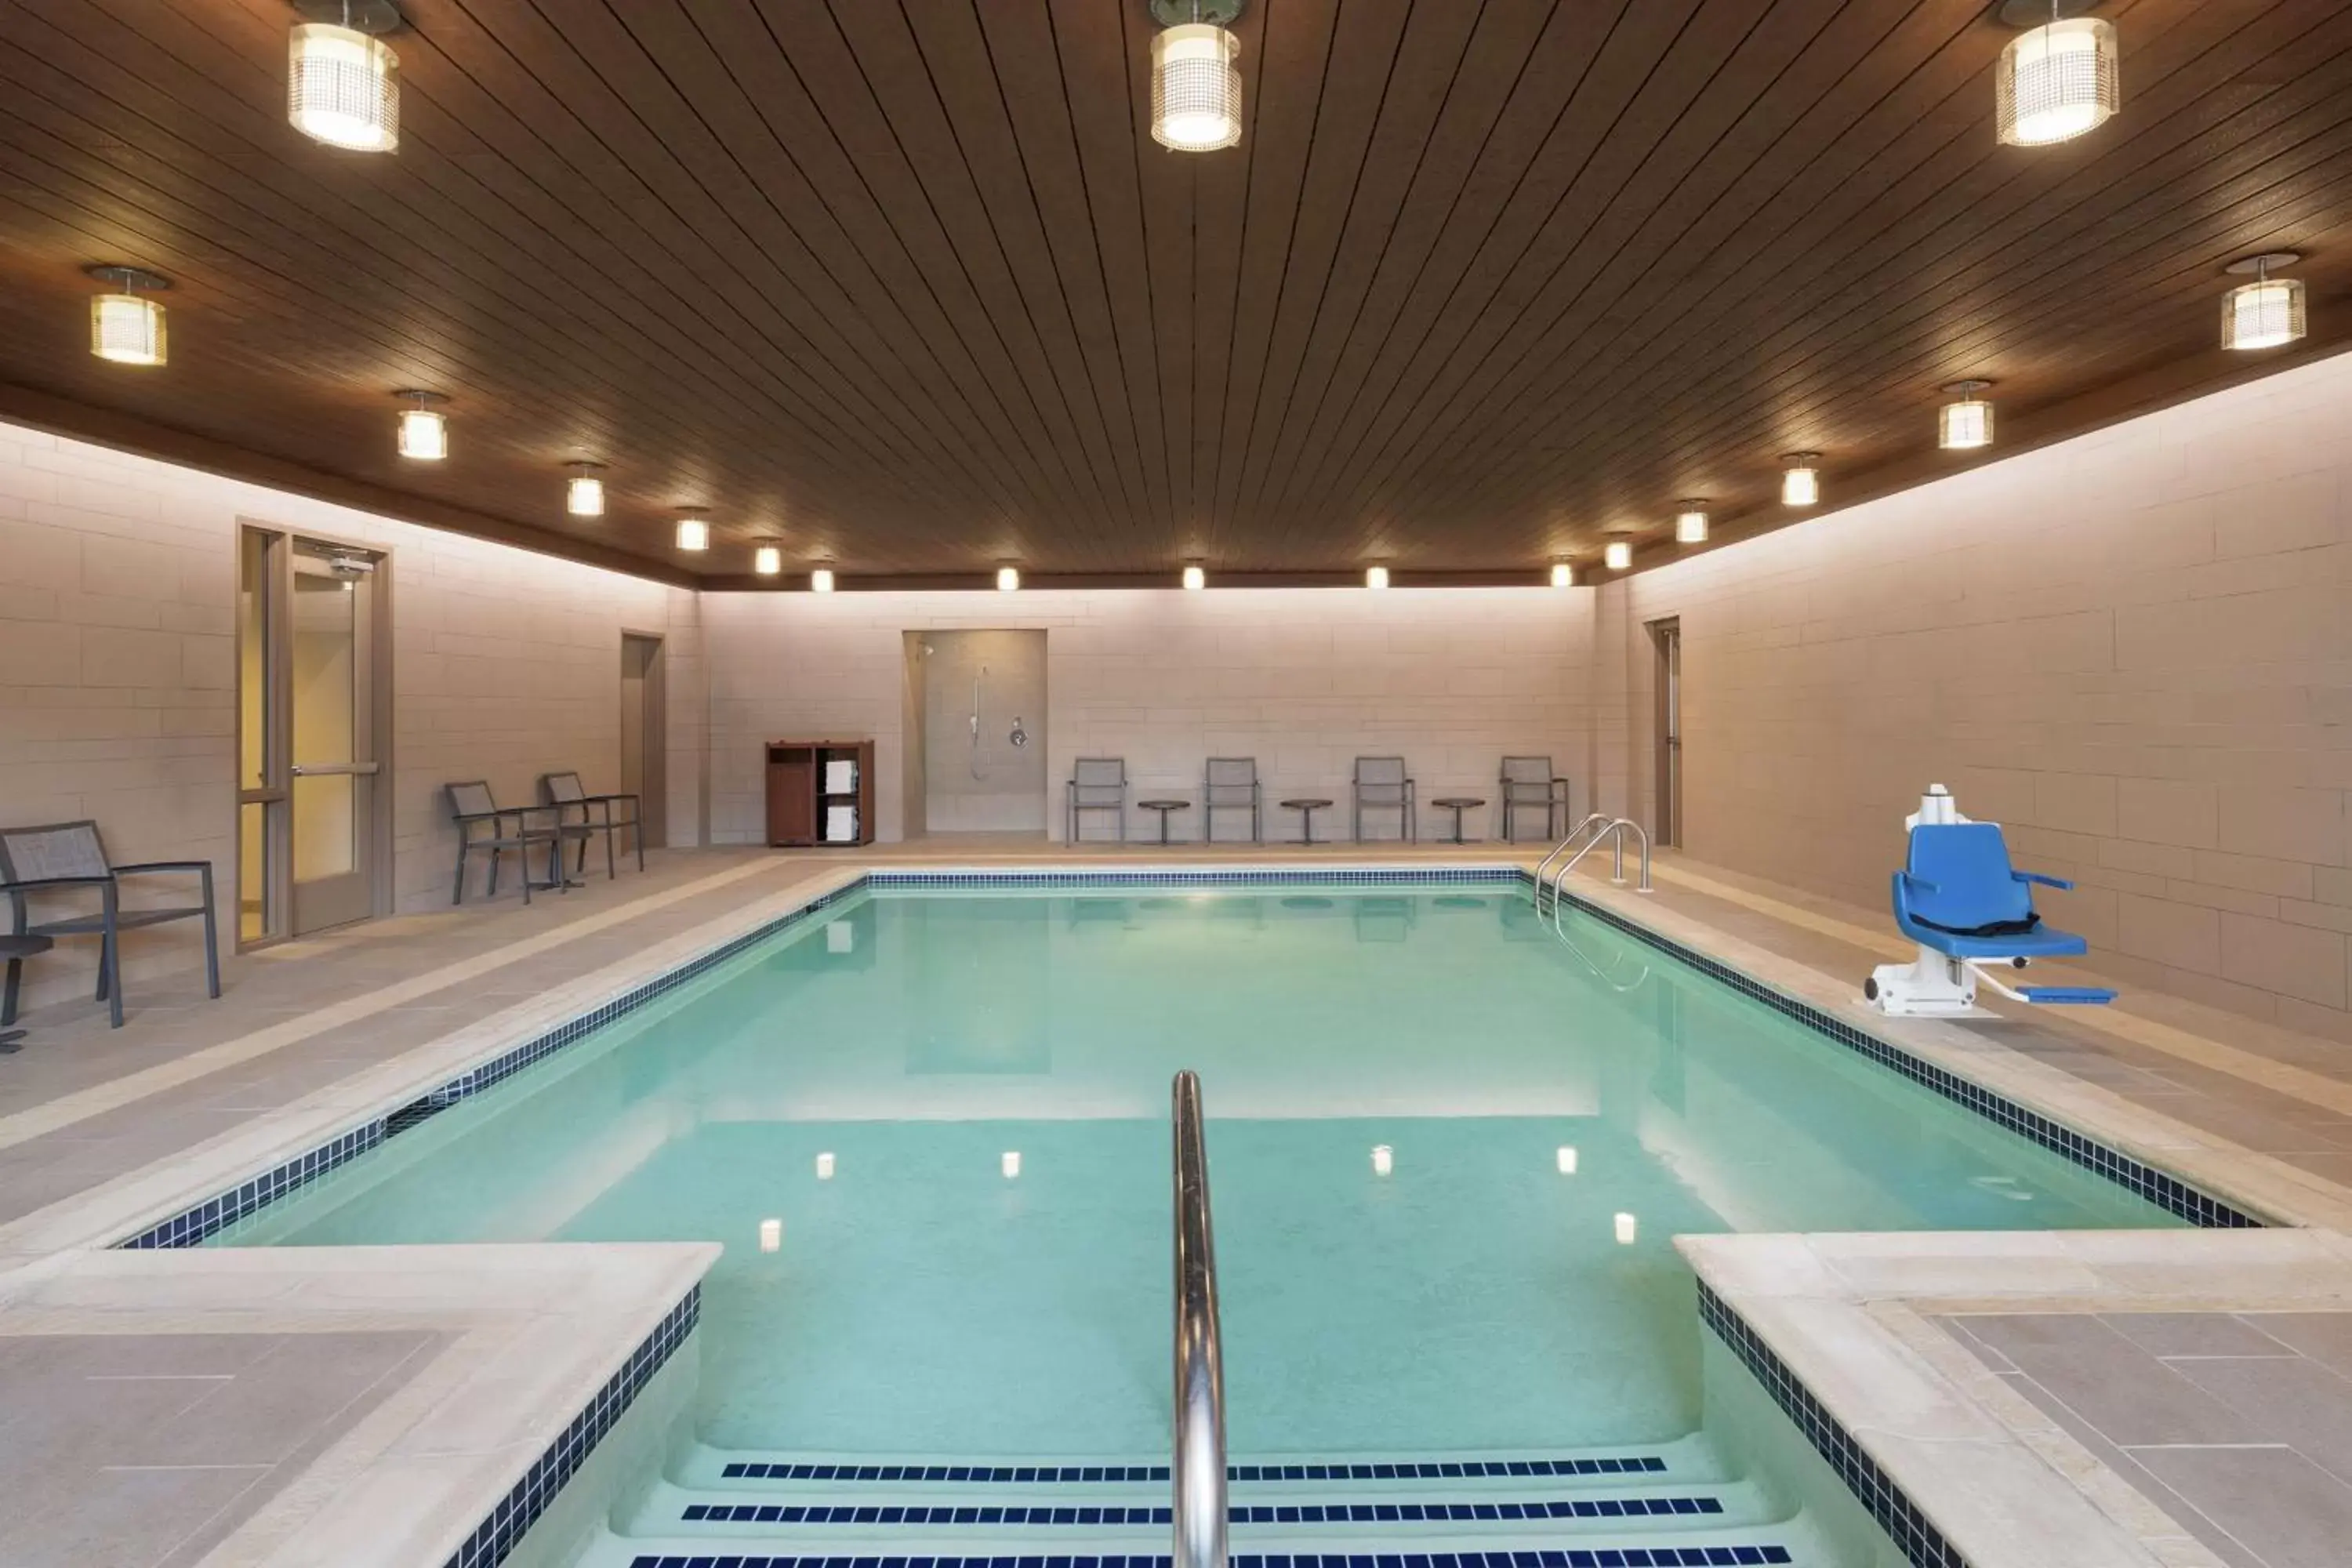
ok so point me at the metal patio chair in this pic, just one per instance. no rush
(16, 950)
(1097, 783)
(1383, 785)
(565, 794)
(1231, 784)
(1529, 782)
(36, 860)
(517, 827)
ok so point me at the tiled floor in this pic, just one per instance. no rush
(2238, 1425)
(146, 1451)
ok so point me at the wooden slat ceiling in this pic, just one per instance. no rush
(906, 285)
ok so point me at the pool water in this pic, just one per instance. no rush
(1448, 1152)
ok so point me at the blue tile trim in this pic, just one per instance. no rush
(1761, 1555)
(1921, 1543)
(1071, 1475)
(214, 1213)
(497, 1536)
(2158, 1187)
(1240, 1513)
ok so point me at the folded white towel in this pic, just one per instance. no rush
(841, 824)
(841, 776)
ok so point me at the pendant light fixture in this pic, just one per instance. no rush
(424, 429)
(821, 580)
(768, 560)
(1563, 576)
(2268, 311)
(1617, 555)
(1690, 522)
(342, 80)
(1801, 480)
(584, 492)
(2057, 78)
(693, 532)
(1375, 577)
(125, 327)
(1196, 85)
(1008, 579)
(1965, 424)
(1195, 579)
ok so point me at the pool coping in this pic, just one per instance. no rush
(173, 1204)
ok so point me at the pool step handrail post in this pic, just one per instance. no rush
(1561, 847)
(1199, 1471)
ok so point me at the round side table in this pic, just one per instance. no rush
(1163, 807)
(1458, 804)
(1306, 810)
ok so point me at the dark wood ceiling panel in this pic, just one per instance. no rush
(907, 286)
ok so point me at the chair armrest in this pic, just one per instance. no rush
(2058, 882)
(204, 866)
(46, 883)
(1906, 879)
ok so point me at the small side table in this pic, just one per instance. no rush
(1458, 804)
(1306, 810)
(1163, 807)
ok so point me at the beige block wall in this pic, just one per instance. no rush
(118, 674)
(2133, 648)
(1302, 680)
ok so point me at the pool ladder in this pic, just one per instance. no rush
(1199, 1470)
(1604, 829)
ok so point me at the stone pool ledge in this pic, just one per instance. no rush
(1838, 1328)
(536, 1350)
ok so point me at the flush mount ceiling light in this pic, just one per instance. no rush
(1196, 85)
(2057, 78)
(821, 580)
(424, 429)
(1690, 522)
(1376, 577)
(1195, 579)
(124, 327)
(1617, 555)
(584, 492)
(1563, 576)
(767, 561)
(1966, 423)
(694, 532)
(1800, 479)
(342, 81)
(2266, 312)
(1008, 578)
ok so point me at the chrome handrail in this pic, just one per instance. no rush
(1200, 1469)
(1558, 849)
(1613, 835)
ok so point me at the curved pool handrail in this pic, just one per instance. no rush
(1199, 1471)
(1561, 847)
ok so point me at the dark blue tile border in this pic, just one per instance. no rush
(1077, 1474)
(1921, 1543)
(1761, 1556)
(497, 1536)
(2166, 1191)
(1118, 1515)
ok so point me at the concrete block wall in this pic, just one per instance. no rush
(1303, 679)
(2133, 648)
(117, 680)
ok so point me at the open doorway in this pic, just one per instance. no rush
(643, 728)
(1666, 638)
(975, 733)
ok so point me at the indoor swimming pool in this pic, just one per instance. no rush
(1449, 1150)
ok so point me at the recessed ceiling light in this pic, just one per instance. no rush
(1690, 522)
(1196, 83)
(821, 580)
(2057, 78)
(125, 327)
(767, 561)
(584, 492)
(1195, 579)
(1966, 423)
(2268, 311)
(1376, 577)
(1801, 480)
(1563, 576)
(1008, 578)
(1617, 555)
(343, 86)
(693, 533)
(424, 429)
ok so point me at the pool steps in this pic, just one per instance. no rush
(1667, 1506)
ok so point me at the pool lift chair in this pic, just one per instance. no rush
(1970, 913)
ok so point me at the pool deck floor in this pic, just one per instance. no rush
(82, 1105)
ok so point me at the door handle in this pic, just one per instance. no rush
(331, 770)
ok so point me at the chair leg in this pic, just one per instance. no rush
(457, 893)
(111, 969)
(496, 855)
(8, 996)
(638, 836)
(610, 869)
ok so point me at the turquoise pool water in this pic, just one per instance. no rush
(1481, 1291)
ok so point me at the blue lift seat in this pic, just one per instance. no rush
(1960, 897)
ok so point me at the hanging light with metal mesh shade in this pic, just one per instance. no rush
(2057, 78)
(2268, 311)
(126, 327)
(342, 80)
(1196, 83)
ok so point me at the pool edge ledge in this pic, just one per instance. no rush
(1836, 1329)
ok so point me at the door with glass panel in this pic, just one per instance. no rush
(310, 849)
